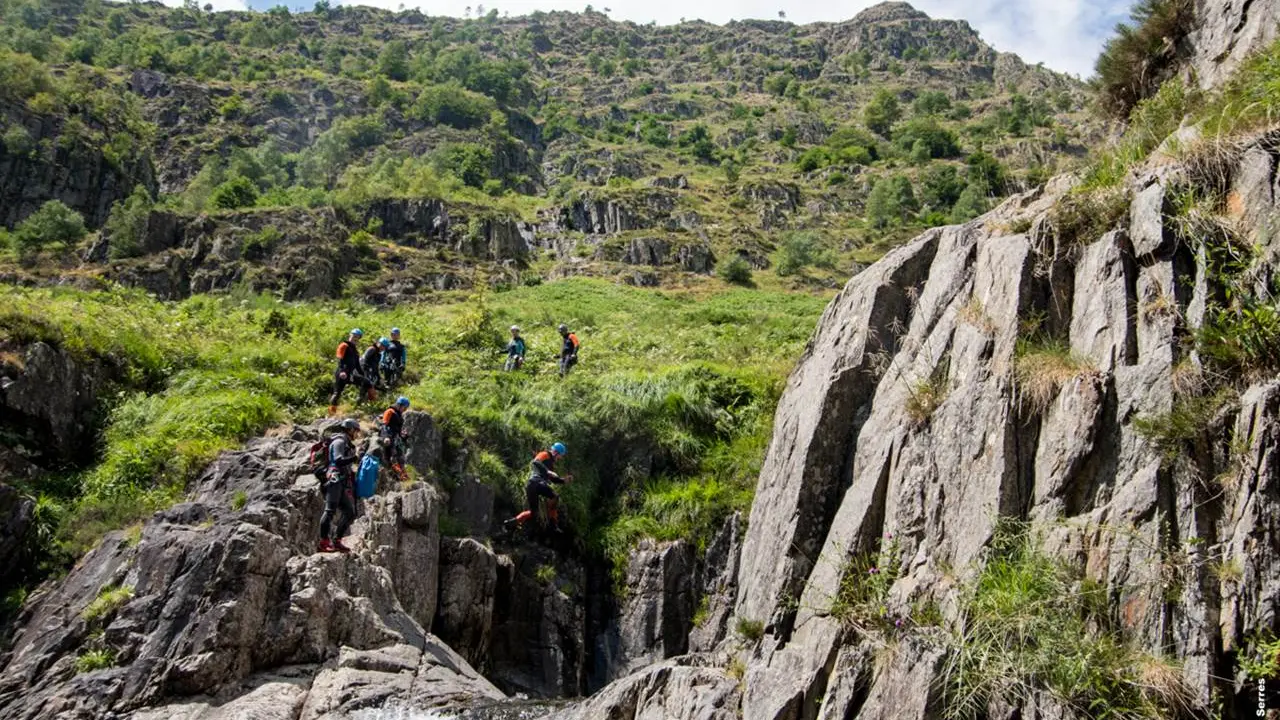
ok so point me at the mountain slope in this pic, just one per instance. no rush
(557, 143)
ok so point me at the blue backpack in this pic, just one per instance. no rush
(367, 477)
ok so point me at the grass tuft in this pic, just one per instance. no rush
(110, 599)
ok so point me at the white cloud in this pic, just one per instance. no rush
(1065, 35)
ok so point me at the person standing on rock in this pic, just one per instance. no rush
(339, 487)
(568, 350)
(392, 435)
(515, 350)
(539, 486)
(348, 371)
(394, 359)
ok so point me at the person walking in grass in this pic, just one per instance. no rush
(394, 359)
(392, 436)
(515, 350)
(568, 350)
(339, 487)
(541, 478)
(369, 364)
(348, 371)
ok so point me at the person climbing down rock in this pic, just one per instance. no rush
(539, 485)
(339, 487)
(568, 350)
(515, 350)
(348, 371)
(393, 360)
(369, 367)
(392, 436)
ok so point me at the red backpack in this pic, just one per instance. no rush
(318, 462)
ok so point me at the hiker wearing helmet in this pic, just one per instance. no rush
(539, 485)
(339, 487)
(392, 435)
(348, 371)
(515, 350)
(369, 367)
(393, 360)
(568, 350)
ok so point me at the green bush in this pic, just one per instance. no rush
(797, 251)
(882, 112)
(96, 659)
(52, 224)
(17, 141)
(734, 269)
(1031, 625)
(126, 226)
(235, 193)
(451, 104)
(891, 201)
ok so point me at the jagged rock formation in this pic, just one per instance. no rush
(213, 610)
(1225, 33)
(850, 462)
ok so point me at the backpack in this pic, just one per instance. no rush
(367, 478)
(318, 462)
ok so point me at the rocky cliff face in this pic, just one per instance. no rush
(855, 459)
(1225, 34)
(219, 607)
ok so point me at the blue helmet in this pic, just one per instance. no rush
(403, 401)
(395, 331)
(357, 332)
(558, 449)
(385, 343)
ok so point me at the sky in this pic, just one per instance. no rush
(1065, 35)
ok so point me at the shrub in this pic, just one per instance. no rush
(1084, 216)
(891, 201)
(1042, 366)
(126, 226)
(235, 193)
(451, 104)
(1030, 624)
(934, 140)
(97, 659)
(1142, 55)
(882, 112)
(1189, 418)
(797, 251)
(110, 599)
(54, 223)
(751, 630)
(545, 574)
(865, 581)
(926, 395)
(734, 269)
(17, 141)
(239, 500)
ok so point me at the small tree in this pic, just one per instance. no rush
(798, 251)
(235, 193)
(882, 112)
(393, 61)
(127, 224)
(734, 269)
(782, 15)
(52, 224)
(971, 204)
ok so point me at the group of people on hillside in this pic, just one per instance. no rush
(381, 366)
(516, 348)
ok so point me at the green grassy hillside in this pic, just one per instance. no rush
(795, 149)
